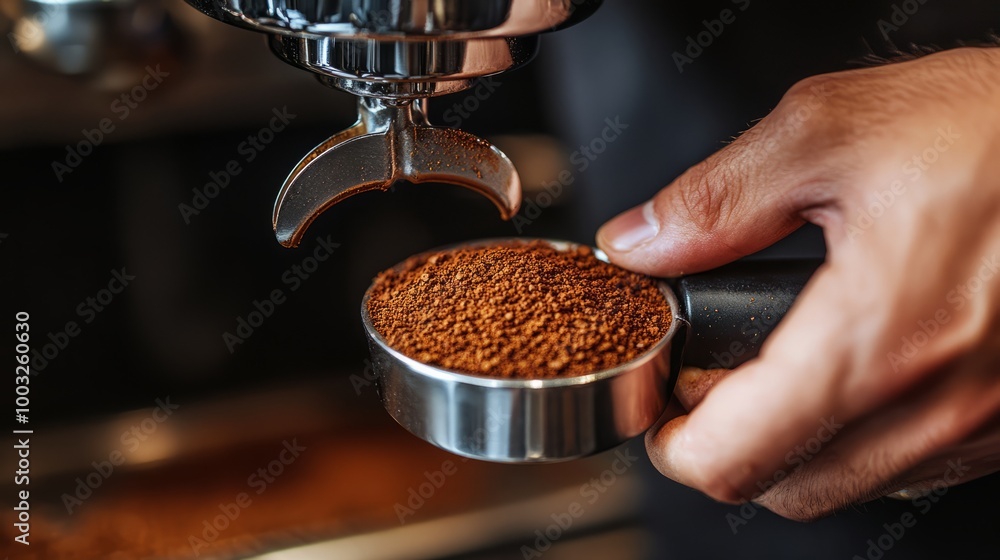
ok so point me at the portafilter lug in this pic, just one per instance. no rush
(390, 142)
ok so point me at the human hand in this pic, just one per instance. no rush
(890, 359)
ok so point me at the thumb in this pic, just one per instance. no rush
(738, 201)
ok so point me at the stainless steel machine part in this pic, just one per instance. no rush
(525, 420)
(394, 54)
(399, 19)
(391, 141)
(403, 69)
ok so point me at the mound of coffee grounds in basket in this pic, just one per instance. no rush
(518, 310)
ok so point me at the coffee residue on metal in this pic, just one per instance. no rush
(518, 310)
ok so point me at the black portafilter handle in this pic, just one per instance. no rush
(731, 310)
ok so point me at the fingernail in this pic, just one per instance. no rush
(631, 229)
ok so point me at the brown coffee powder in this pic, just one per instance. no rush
(518, 310)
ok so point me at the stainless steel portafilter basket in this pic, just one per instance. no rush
(558, 419)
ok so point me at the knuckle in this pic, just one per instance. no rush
(803, 501)
(975, 67)
(804, 512)
(807, 113)
(820, 123)
(706, 198)
(811, 97)
(822, 489)
(706, 479)
(816, 112)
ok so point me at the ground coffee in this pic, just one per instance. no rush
(518, 310)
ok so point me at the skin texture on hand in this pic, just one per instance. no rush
(887, 368)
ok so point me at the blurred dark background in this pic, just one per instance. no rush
(163, 335)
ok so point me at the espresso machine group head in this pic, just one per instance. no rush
(394, 55)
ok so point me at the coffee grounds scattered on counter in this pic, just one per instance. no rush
(518, 310)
